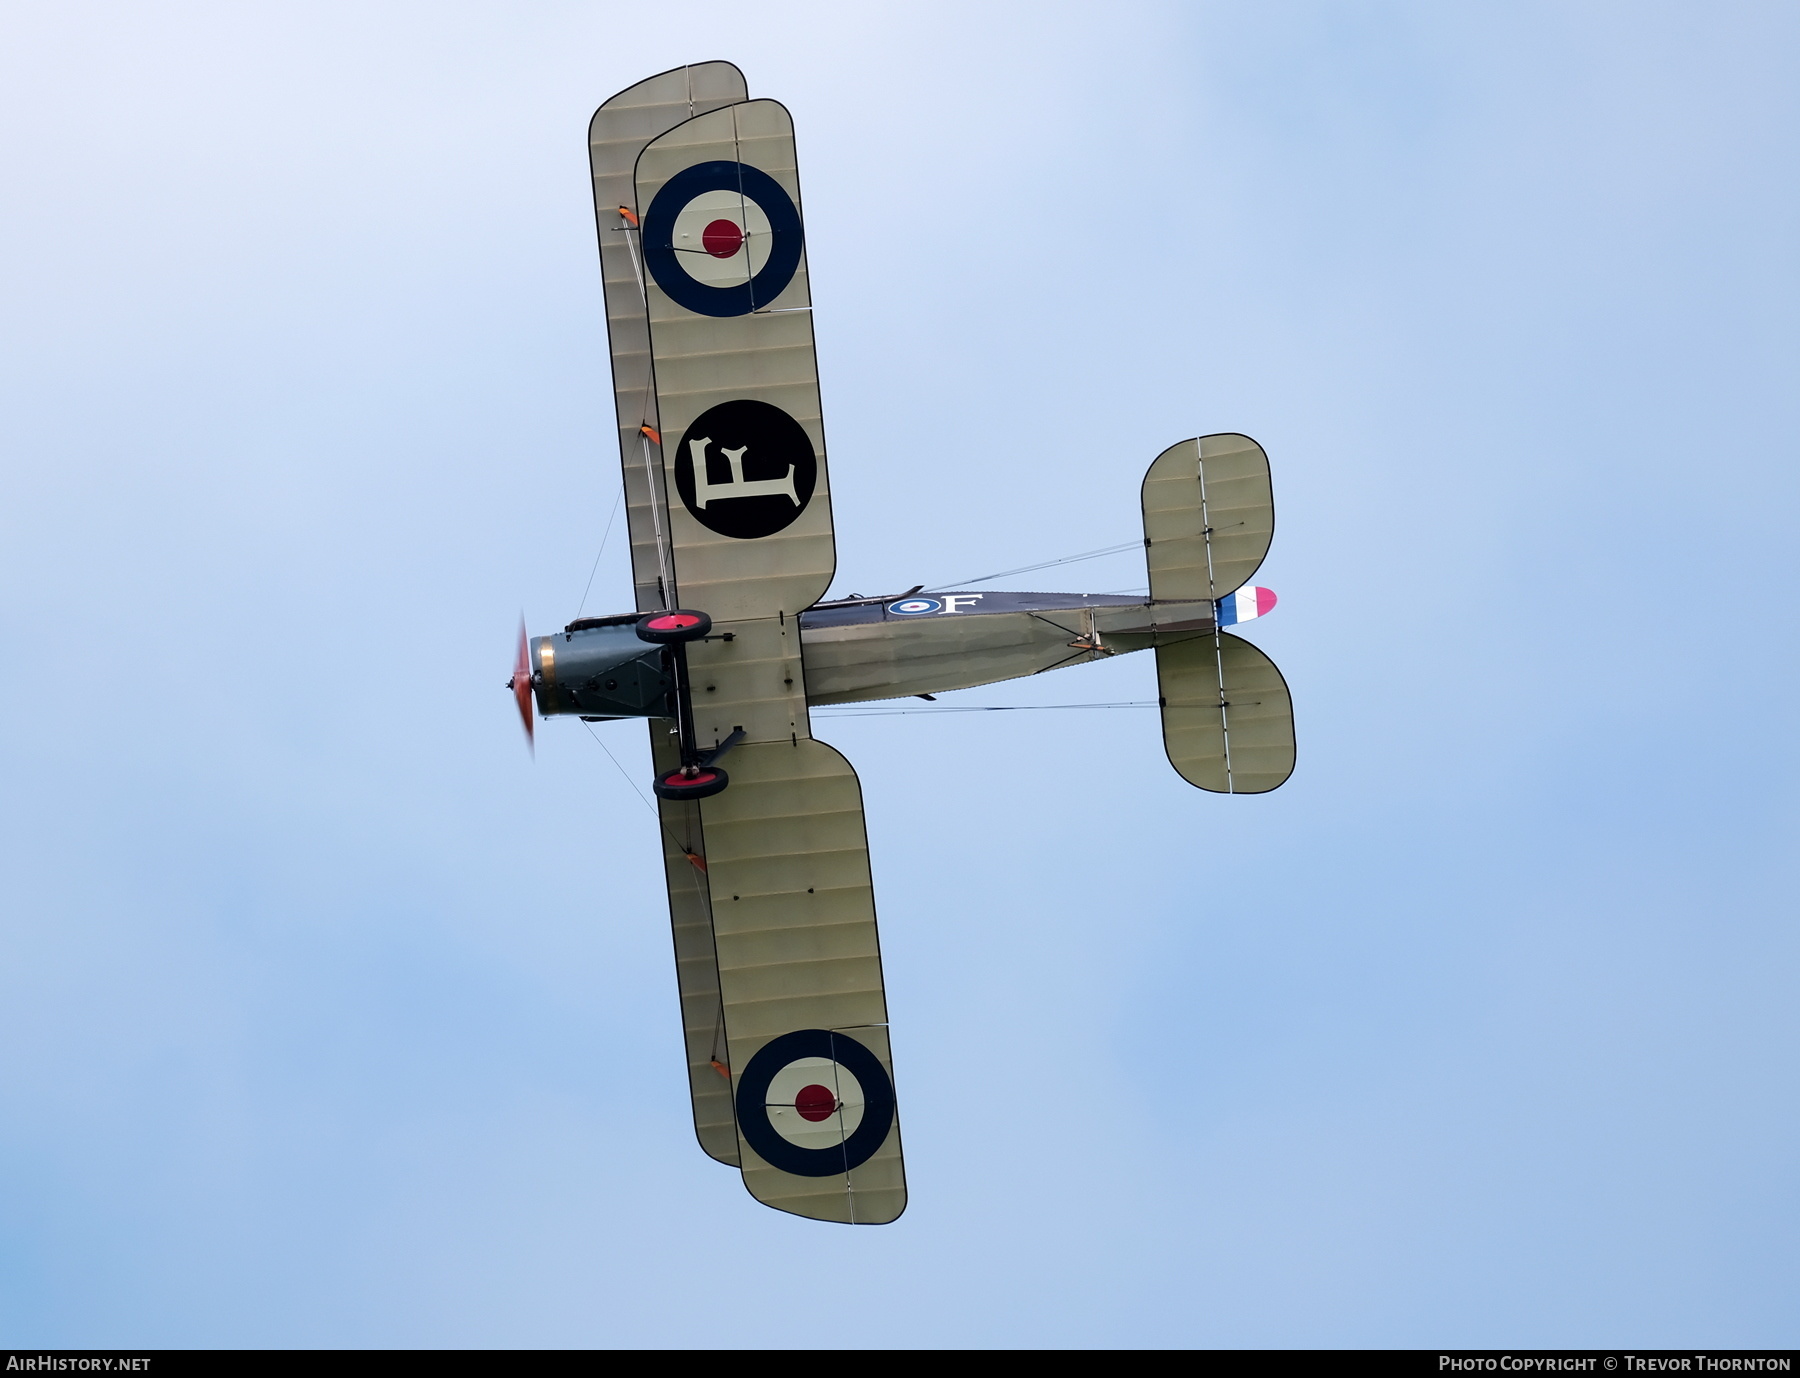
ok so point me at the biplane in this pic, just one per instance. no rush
(728, 509)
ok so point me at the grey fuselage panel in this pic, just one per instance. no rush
(933, 643)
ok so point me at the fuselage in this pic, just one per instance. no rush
(878, 648)
(872, 648)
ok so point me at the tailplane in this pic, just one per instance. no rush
(1209, 516)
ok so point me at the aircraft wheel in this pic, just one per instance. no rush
(677, 624)
(672, 784)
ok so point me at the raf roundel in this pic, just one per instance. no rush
(722, 238)
(915, 607)
(745, 469)
(815, 1103)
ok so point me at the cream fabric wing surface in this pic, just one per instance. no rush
(616, 136)
(750, 501)
(800, 971)
(696, 961)
(803, 1013)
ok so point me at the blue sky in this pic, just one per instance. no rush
(332, 1019)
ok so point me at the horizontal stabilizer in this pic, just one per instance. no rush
(1209, 515)
(1228, 722)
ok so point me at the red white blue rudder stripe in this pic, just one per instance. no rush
(1247, 603)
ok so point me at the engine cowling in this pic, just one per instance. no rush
(597, 667)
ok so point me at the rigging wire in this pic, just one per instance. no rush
(698, 862)
(621, 769)
(605, 536)
(1119, 549)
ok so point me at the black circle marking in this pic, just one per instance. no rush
(777, 1152)
(745, 444)
(755, 185)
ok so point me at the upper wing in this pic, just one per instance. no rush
(616, 136)
(737, 383)
(1209, 515)
(740, 453)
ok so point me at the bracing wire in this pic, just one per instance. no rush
(621, 769)
(605, 536)
(680, 846)
(1119, 549)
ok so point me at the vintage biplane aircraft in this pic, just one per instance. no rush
(729, 515)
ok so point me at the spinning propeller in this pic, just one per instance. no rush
(520, 684)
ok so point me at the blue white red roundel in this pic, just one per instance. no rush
(722, 238)
(914, 607)
(815, 1103)
(1247, 603)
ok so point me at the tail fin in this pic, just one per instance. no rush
(1209, 516)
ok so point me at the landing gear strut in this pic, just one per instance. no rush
(697, 777)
